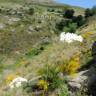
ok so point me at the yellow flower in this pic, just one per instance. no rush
(73, 65)
(87, 35)
(43, 84)
(9, 78)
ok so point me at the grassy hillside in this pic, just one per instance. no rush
(30, 47)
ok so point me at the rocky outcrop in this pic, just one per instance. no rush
(76, 82)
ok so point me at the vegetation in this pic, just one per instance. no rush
(51, 75)
(30, 48)
(90, 12)
(69, 13)
(72, 22)
(63, 91)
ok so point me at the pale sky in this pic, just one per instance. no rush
(81, 3)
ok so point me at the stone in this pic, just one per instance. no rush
(12, 20)
(74, 85)
(76, 82)
(2, 26)
(30, 28)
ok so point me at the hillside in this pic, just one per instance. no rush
(30, 47)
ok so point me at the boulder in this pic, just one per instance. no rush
(2, 26)
(76, 82)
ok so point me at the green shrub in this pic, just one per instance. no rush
(34, 52)
(50, 10)
(88, 12)
(38, 50)
(69, 13)
(70, 28)
(31, 11)
(63, 91)
(60, 25)
(51, 75)
(79, 20)
(94, 10)
(63, 23)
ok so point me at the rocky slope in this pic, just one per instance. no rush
(30, 48)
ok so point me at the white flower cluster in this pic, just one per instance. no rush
(70, 37)
(17, 82)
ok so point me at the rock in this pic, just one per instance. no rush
(76, 82)
(74, 85)
(2, 26)
(92, 81)
(13, 30)
(17, 82)
(12, 20)
(15, 19)
(38, 28)
(30, 28)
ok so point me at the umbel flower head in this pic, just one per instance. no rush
(70, 37)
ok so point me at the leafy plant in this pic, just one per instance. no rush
(88, 12)
(63, 90)
(69, 13)
(31, 11)
(34, 52)
(51, 75)
(71, 28)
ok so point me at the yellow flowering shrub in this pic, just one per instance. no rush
(72, 66)
(43, 84)
(10, 77)
(87, 35)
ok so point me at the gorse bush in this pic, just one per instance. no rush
(72, 66)
(43, 84)
(87, 35)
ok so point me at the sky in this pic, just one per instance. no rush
(81, 3)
